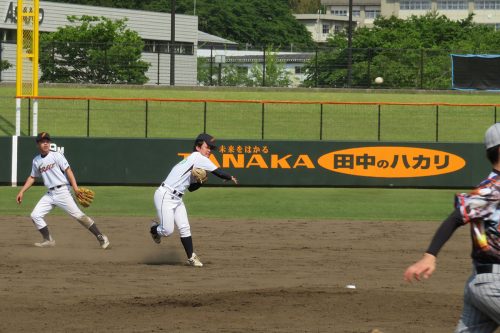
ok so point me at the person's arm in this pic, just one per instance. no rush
(427, 265)
(224, 175)
(194, 186)
(29, 181)
(72, 179)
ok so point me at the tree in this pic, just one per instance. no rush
(407, 53)
(98, 50)
(305, 6)
(256, 22)
(276, 75)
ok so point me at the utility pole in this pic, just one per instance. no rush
(172, 43)
(349, 47)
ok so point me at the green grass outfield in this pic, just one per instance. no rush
(243, 121)
(261, 203)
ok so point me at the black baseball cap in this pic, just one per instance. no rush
(210, 140)
(43, 136)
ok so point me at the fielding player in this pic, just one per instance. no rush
(168, 197)
(57, 177)
(481, 210)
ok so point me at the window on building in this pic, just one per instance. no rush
(326, 28)
(356, 12)
(452, 4)
(160, 46)
(339, 12)
(337, 29)
(487, 4)
(372, 13)
(8, 35)
(298, 70)
(415, 4)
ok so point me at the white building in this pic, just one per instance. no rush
(364, 12)
(485, 11)
(244, 60)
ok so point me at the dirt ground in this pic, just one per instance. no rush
(259, 276)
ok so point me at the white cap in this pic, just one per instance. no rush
(492, 136)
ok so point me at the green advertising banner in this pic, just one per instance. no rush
(274, 163)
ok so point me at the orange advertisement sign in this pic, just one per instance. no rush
(391, 162)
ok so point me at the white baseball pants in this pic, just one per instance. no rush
(171, 211)
(60, 197)
(481, 312)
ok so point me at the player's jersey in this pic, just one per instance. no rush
(51, 168)
(481, 209)
(179, 177)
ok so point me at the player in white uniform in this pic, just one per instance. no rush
(57, 177)
(168, 197)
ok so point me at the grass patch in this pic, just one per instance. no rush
(260, 203)
(244, 121)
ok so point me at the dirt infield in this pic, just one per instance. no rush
(259, 276)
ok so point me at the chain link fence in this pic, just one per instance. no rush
(246, 66)
(256, 120)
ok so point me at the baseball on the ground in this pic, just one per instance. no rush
(379, 80)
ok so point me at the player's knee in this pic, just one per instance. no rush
(165, 231)
(185, 231)
(36, 217)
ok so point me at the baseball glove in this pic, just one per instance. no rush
(85, 196)
(199, 175)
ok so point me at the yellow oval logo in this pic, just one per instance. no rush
(391, 162)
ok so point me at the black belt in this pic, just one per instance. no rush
(174, 192)
(58, 186)
(484, 268)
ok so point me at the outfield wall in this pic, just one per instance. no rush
(107, 161)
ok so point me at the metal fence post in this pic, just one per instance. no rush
(379, 126)
(146, 119)
(88, 118)
(264, 66)
(495, 115)
(158, 70)
(369, 69)
(211, 65)
(262, 131)
(321, 121)
(29, 116)
(437, 123)
(421, 68)
(205, 117)
(317, 70)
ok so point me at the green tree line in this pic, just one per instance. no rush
(407, 53)
(255, 22)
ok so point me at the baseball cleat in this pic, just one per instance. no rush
(154, 233)
(46, 243)
(104, 242)
(195, 261)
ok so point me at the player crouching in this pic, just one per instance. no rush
(57, 177)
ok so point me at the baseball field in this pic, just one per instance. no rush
(276, 259)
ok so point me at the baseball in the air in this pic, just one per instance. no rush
(379, 80)
(350, 286)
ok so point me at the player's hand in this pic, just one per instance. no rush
(19, 198)
(234, 180)
(421, 269)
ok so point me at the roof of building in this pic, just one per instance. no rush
(243, 56)
(204, 38)
(324, 17)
